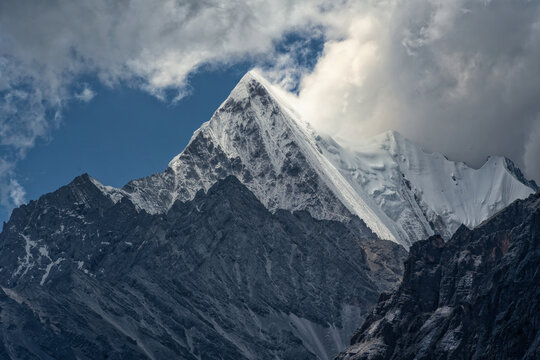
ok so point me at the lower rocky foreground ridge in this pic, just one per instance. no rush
(474, 297)
(218, 277)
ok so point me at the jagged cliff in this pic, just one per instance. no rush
(475, 297)
(218, 277)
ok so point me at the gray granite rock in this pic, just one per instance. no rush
(219, 277)
(474, 297)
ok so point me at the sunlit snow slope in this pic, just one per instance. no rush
(426, 193)
(401, 193)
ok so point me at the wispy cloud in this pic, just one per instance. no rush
(11, 192)
(85, 95)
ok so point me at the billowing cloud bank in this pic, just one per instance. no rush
(458, 76)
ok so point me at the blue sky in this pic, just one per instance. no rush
(122, 134)
(459, 77)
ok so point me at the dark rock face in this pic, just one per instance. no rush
(519, 175)
(474, 297)
(219, 277)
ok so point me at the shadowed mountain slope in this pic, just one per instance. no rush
(474, 297)
(217, 277)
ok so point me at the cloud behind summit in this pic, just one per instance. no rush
(459, 77)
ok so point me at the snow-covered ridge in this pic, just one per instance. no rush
(425, 192)
(277, 155)
(401, 192)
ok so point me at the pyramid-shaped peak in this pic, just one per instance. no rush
(254, 102)
(253, 75)
(257, 93)
(254, 84)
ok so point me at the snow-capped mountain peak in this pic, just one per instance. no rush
(401, 192)
(248, 86)
(257, 136)
(425, 193)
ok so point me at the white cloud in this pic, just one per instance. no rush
(47, 47)
(458, 76)
(16, 193)
(12, 194)
(86, 94)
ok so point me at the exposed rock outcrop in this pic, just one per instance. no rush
(475, 297)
